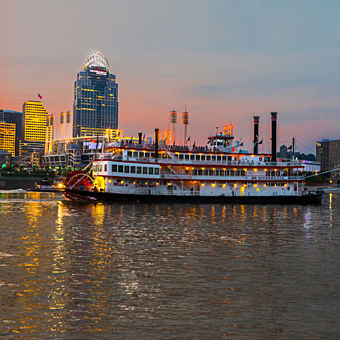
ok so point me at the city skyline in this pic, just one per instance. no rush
(273, 57)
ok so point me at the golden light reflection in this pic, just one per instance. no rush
(58, 296)
(98, 213)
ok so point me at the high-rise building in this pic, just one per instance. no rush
(7, 137)
(328, 153)
(34, 122)
(14, 117)
(95, 107)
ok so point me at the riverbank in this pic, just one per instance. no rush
(26, 183)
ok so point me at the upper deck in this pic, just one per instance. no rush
(195, 157)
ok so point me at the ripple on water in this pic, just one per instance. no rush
(168, 271)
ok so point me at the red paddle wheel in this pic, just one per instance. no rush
(78, 180)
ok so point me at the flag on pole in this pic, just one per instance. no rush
(39, 95)
(290, 147)
(188, 139)
(261, 141)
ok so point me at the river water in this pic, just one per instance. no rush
(144, 271)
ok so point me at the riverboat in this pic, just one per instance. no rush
(217, 173)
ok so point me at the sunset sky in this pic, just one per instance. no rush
(224, 60)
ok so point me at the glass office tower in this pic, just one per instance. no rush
(13, 117)
(95, 107)
(7, 137)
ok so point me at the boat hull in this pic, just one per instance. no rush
(310, 199)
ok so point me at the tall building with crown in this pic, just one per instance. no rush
(95, 107)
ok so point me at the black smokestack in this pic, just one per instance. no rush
(274, 119)
(256, 134)
(140, 137)
(156, 143)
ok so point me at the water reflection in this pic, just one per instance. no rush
(199, 271)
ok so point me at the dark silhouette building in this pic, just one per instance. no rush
(328, 153)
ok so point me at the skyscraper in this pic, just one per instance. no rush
(34, 122)
(7, 137)
(15, 117)
(95, 107)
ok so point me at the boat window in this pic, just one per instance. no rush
(176, 155)
(197, 157)
(213, 158)
(186, 157)
(114, 168)
(206, 173)
(147, 155)
(229, 158)
(126, 169)
(153, 155)
(120, 168)
(181, 156)
(208, 158)
(157, 171)
(221, 172)
(218, 158)
(133, 169)
(135, 154)
(150, 171)
(129, 153)
(200, 172)
(224, 158)
(194, 172)
(105, 167)
(139, 169)
(243, 173)
(203, 158)
(192, 157)
(145, 170)
(141, 155)
(211, 172)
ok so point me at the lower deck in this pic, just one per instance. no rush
(313, 198)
